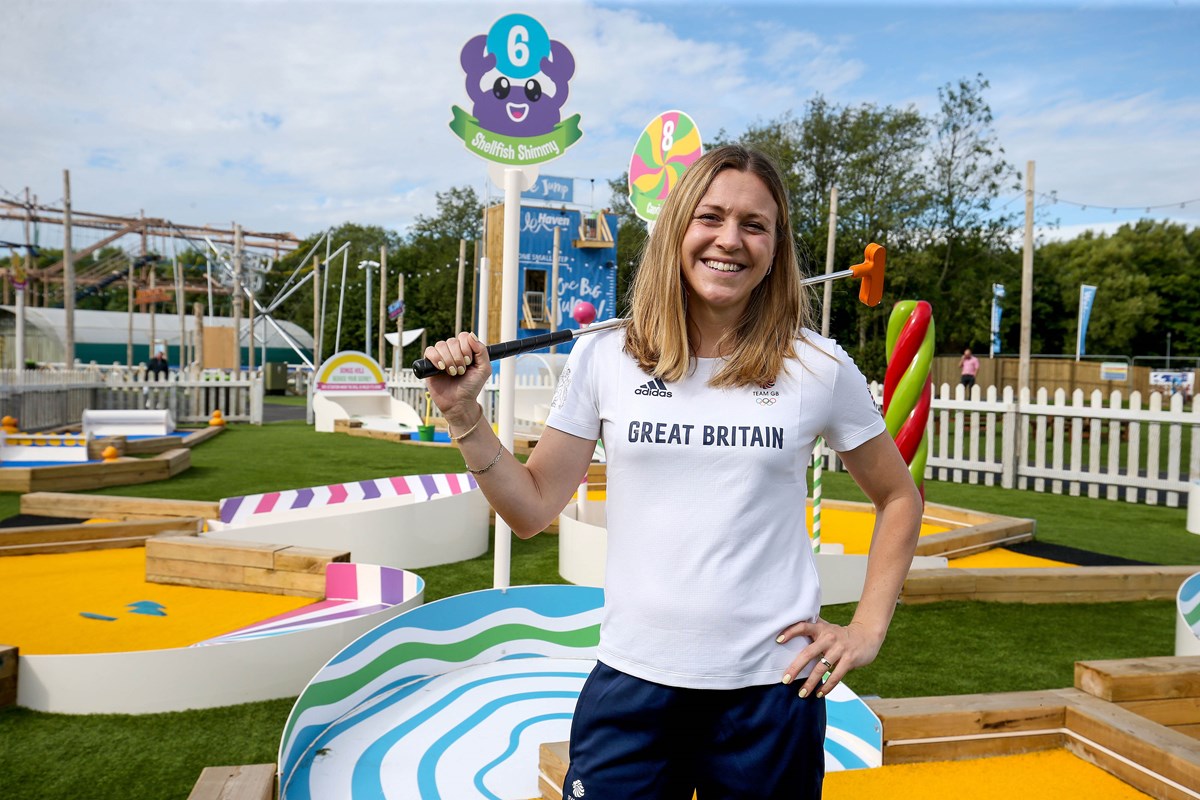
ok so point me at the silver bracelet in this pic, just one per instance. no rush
(495, 461)
(471, 429)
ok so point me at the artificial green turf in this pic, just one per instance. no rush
(941, 648)
(970, 647)
(123, 757)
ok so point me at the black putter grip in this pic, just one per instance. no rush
(423, 368)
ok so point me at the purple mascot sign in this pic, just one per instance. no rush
(517, 80)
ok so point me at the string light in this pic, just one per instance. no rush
(1052, 197)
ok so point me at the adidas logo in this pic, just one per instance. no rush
(655, 388)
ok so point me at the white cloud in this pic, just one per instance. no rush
(298, 115)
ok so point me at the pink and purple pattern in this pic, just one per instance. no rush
(421, 487)
(351, 590)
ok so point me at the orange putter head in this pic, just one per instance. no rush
(871, 272)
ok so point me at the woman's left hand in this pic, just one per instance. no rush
(835, 649)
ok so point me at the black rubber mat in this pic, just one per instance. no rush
(1072, 555)
(31, 520)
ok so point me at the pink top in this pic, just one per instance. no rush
(970, 365)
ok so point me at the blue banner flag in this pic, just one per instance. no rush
(1087, 294)
(997, 293)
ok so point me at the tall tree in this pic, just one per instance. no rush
(430, 259)
(632, 233)
(967, 173)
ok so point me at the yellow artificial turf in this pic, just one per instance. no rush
(43, 599)
(1047, 775)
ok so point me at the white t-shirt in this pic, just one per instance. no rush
(708, 550)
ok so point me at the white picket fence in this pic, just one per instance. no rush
(41, 400)
(532, 391)
(1121, 448)
(1140, 449)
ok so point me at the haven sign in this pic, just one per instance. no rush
(517, 80)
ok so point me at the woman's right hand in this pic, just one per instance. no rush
(464, 369)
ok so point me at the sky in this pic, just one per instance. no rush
(298, 115)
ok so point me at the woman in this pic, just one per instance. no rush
(713, 657)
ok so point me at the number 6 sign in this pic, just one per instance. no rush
(517, 80)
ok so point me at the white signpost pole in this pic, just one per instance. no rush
(514, 129)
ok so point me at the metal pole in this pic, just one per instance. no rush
(508, 330)
(337, 339)
(382, 299)
(68, 271)
(485, 299)
(151, 308)
(1026, 283)
(829, 256)
(399, 351)
(237, 297)
(367, 310)
(198, 336)
(554, 259)
(180, 308)
(250, 329)
(462, 272)
(129, 340)
(20, 290)
(316, 328)
(208, 280)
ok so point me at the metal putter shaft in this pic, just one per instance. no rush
(870, 292)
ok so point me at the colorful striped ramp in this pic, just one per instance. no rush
(234, 510)
(453, 699)
(351, 590)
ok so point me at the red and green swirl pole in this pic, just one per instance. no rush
(907, 388)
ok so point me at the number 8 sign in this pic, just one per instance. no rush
(667, 147)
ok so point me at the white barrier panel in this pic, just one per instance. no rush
(583, 549)
(98, 423)
(424, 526)
(48, 447)
(220, 673)
(378, 410)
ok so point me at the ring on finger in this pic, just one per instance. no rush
(828, 664)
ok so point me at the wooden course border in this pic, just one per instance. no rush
(1097, 721)
(82, 477)
(240, 566)
(1046, 585)
(152, 445)
(522, 444)
(251, 782)
(1110, 718)
(129, 522)
(124, 471)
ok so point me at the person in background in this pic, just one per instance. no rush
(714, 662)
(969, 366)
(159, 368)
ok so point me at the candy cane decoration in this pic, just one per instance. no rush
(907, 388)
(818, 468)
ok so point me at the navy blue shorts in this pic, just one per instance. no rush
(632, 738)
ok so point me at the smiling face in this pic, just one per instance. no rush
(729, 246)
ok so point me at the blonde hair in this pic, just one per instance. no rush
(765, 336)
